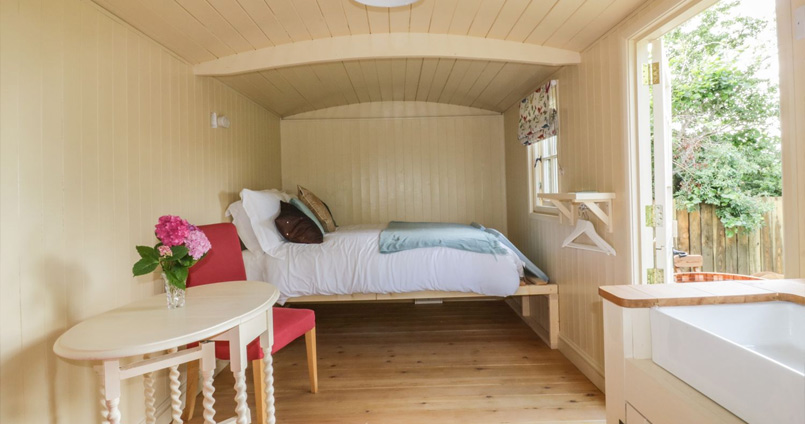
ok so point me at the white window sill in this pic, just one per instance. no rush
(544, 214)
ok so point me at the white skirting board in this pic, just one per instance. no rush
(583, 362)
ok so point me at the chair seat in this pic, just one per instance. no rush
(289, 324)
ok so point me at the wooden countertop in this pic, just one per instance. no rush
(708, 293)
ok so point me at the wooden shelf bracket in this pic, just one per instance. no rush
(569, 204)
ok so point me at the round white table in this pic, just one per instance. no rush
(237, 312)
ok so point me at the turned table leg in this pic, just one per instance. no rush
(267, 342)
(268, 370)
(176, 393)
(241, 408)
(150, 400)
(237, 363)
(104, 407)
(207, 389)
(110, 391)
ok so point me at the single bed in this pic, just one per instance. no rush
(349, 262)
(346, 263)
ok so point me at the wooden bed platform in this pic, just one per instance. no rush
(529, 286)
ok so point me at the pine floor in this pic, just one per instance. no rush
(458, 362)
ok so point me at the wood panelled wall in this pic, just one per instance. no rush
(422, 164)
(792, 114)
(102, 130)
(594, 154)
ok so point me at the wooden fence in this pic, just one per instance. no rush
(701, 232)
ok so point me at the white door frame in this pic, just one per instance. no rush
(663, 166)
(655, 244)
(642, 250)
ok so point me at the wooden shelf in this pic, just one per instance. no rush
(581, 196)
(568, 205)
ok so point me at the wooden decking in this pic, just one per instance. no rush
(458, 362)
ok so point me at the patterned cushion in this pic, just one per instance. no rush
(318, 207)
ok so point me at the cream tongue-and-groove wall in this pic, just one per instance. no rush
(102, 130)
(594, 154)
(376, 162)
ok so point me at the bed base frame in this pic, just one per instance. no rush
(529, 286)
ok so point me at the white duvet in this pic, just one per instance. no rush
(349, 262)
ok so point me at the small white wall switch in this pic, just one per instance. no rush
(213, 120)
(799, 23)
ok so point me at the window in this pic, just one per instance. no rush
(544, 169)
(538, 129)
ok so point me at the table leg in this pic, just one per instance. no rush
(267, 343)
(104, 408)
(110, 390)
(241, 408)
(207, 389)
(237, 363)
(268, 370)
(150, 400)
(176, 394)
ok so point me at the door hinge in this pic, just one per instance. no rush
(655, 276)
(654, 216)
(651, 73)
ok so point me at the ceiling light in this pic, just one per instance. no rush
(386, 3)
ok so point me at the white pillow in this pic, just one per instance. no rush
(244, 226)
(263, 207)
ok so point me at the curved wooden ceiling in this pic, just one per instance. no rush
(485, 85)
(220, 32)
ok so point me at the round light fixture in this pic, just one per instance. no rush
(386, 3)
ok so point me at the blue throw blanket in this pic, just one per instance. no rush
(532, 268)
(399, 236)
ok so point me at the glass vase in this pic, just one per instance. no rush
(175, 296)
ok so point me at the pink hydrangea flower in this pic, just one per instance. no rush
(172, 230)
(197, 243)
(165, 251)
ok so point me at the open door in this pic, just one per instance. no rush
(654, 163)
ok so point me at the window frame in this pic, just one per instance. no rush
(536, 206)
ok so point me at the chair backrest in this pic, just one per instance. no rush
(224, 261)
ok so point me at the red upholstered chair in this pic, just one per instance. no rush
(224, 263)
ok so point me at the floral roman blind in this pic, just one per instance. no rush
(538, 114)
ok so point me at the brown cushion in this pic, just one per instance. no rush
(296, 227)
(318, 208)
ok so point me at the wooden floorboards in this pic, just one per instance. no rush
(458, 362)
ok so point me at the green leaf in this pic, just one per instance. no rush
(177, 276)
(144, 266)
(147, 252)
(179, 252)
(186, 261)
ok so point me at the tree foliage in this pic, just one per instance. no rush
(726, 144)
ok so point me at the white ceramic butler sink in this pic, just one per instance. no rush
(749, 358)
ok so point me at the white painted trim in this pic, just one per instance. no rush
(582, 361)
(391, 110)
(547, 216)
(386, 46)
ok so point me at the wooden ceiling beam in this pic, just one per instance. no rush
(386, 46)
